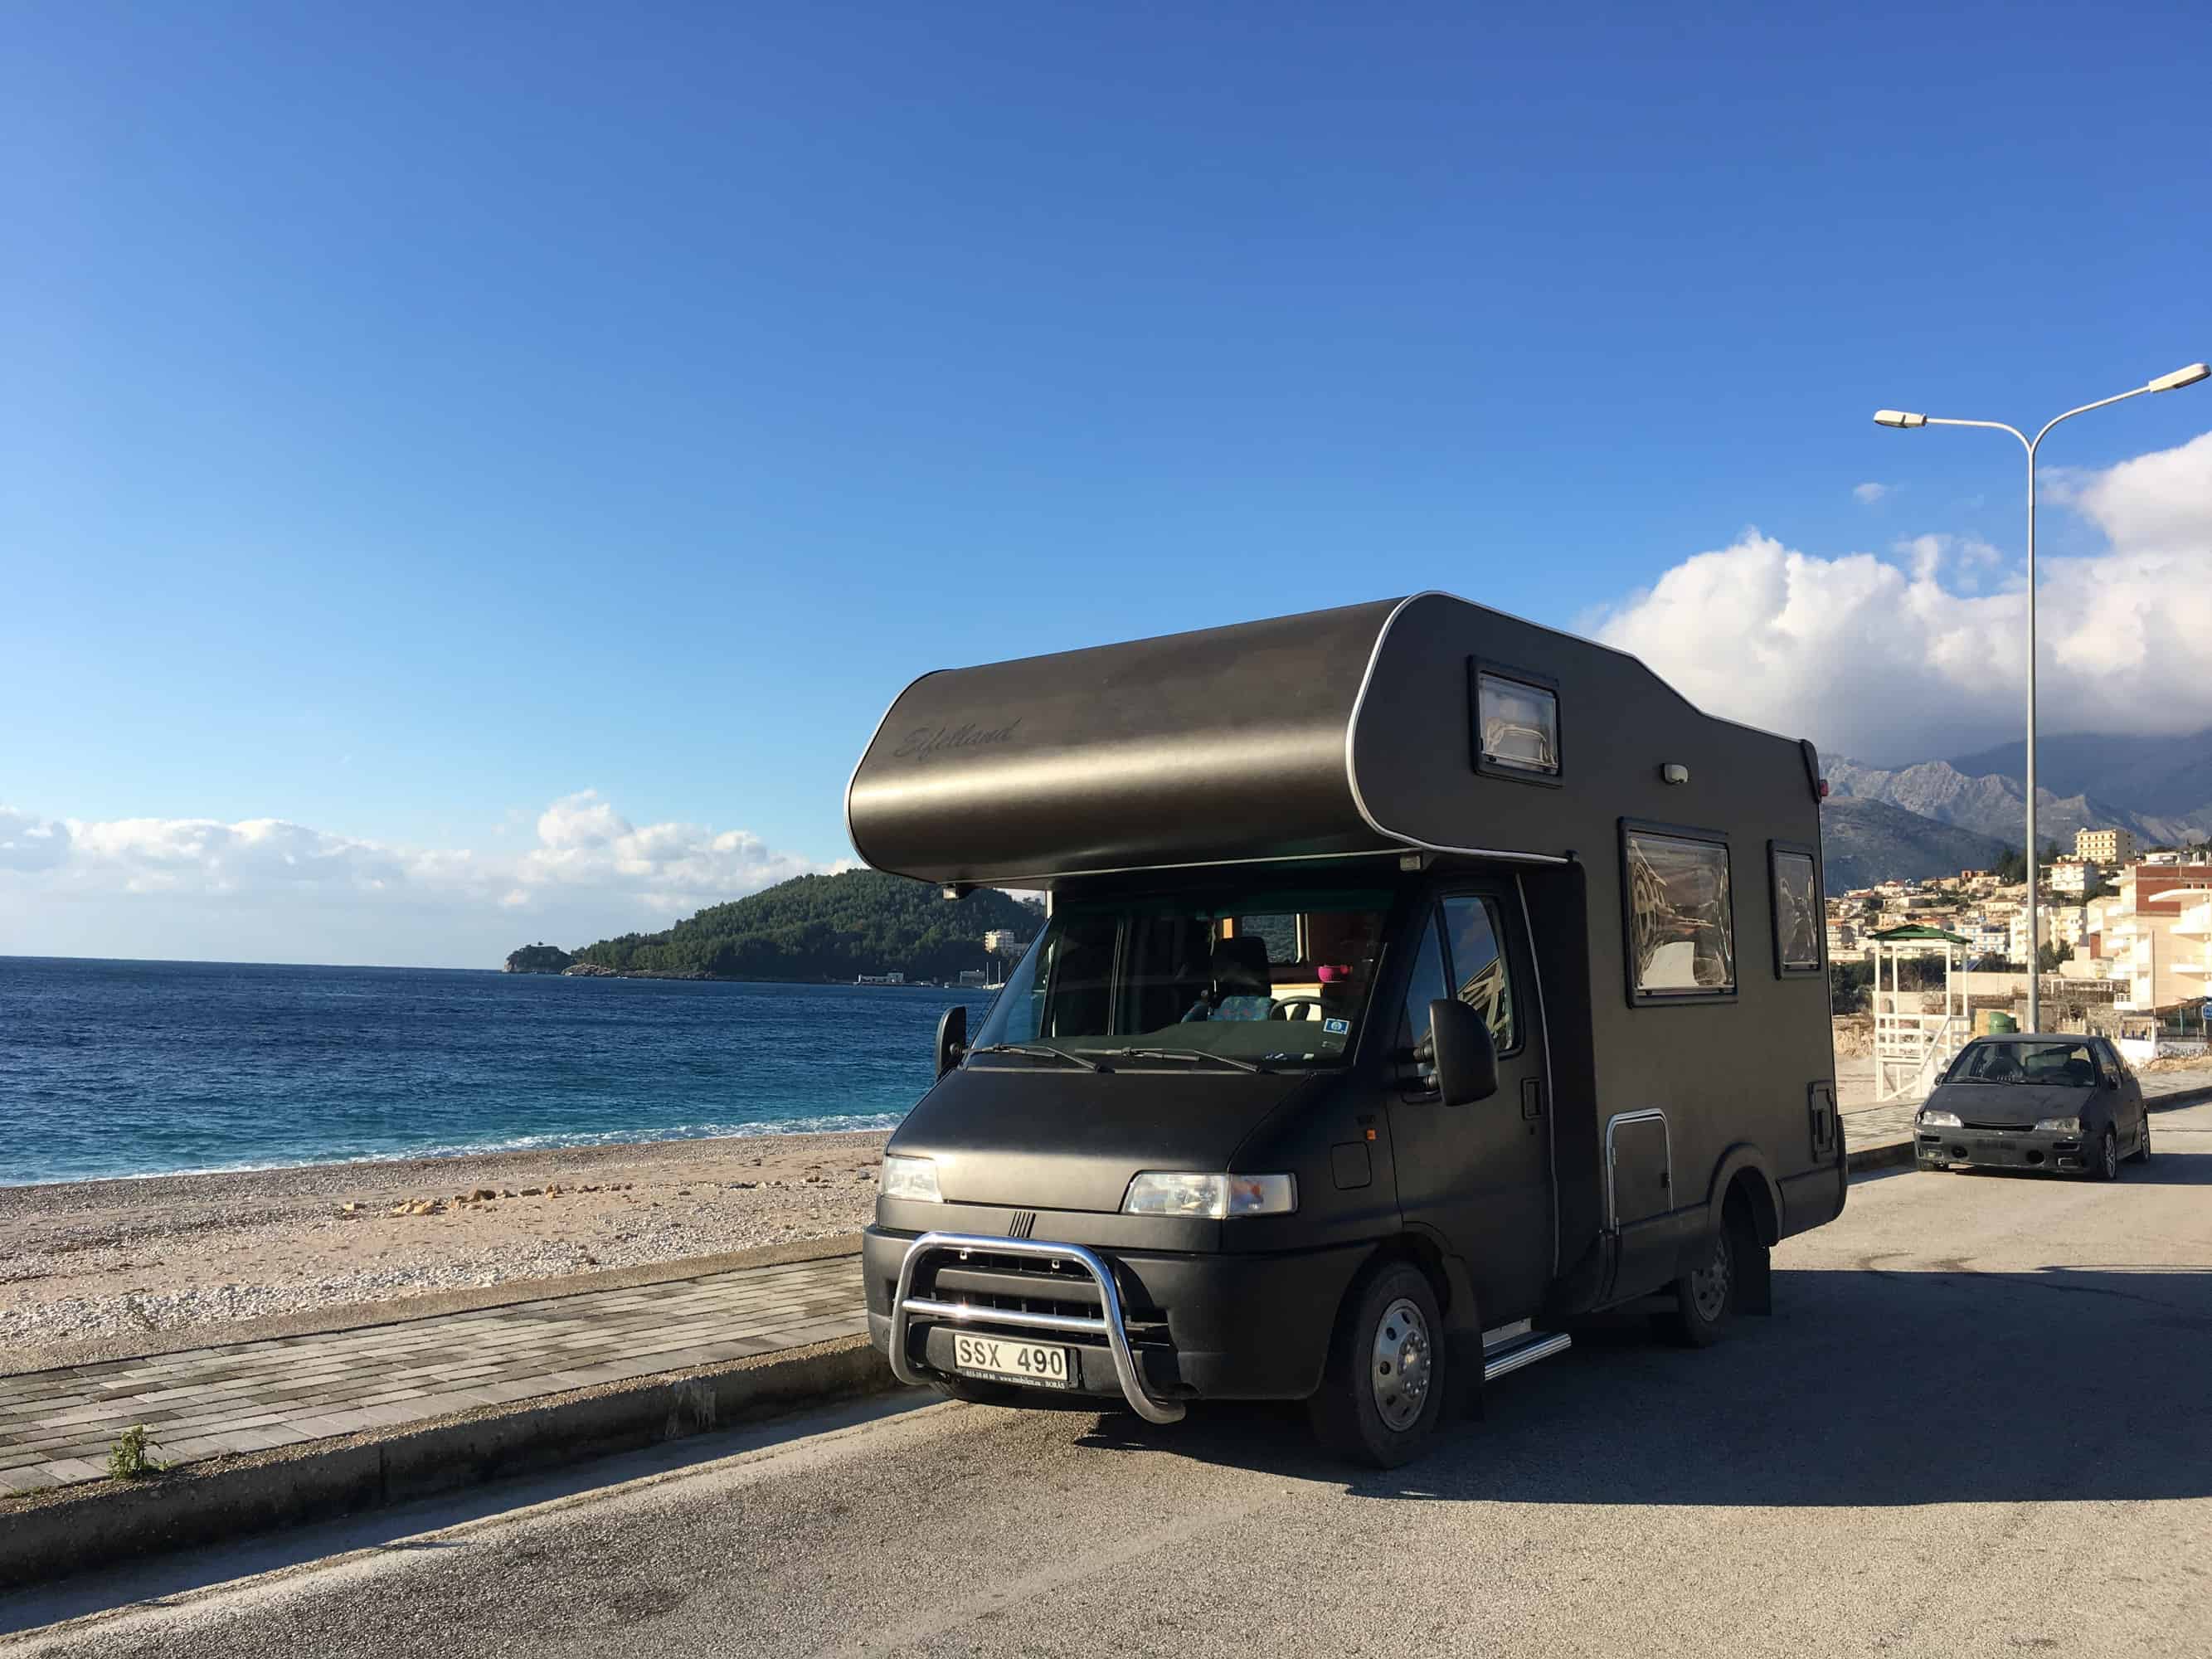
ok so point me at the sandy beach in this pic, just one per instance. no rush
(84, 1262)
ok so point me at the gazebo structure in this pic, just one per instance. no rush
(1910, 1049)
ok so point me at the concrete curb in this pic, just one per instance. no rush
(49, 1536)
(1883, 1155)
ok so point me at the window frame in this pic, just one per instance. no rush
(1638, 996)
(1487, 768)
(1782, 969)
(1494, 908)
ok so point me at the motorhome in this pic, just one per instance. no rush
(1417, 982)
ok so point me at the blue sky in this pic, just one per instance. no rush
(420, 415)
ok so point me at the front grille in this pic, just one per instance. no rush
(1999, 1128)
(1029, 1285)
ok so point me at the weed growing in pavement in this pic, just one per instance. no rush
(131, 1458)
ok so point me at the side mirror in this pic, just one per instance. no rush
(952, 1037)
(1465, 1054)
(2111, 1082)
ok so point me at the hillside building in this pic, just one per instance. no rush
(2073, 876)
(2110, 847)
(2148, 933)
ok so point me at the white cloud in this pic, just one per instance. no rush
(1899, 659)
(78, 886)
(29, 843)
(1871, 492)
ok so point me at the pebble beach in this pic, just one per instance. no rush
(90, 1261)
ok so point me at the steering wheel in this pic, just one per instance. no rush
(1298, 1008)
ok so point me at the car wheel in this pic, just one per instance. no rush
(2141, 1153)
(2107, 1166)
(1383, 1394)
(1705, 1297)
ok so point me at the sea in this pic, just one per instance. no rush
(144, 1068)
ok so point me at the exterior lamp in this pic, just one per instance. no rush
(1900, 419)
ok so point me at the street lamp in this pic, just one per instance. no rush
(1905, 420)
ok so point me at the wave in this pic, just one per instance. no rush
(828, 1123)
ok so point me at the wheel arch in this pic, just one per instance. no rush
(1743, 1169)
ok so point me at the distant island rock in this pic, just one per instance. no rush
(593, 970)
(538, 959)
(811, 928)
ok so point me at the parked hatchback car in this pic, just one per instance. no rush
(2064, 1104)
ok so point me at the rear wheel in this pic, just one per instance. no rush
(1382, 1392)
(2107, 1166)
(1706, 1296)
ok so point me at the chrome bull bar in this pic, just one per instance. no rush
(906, 1305)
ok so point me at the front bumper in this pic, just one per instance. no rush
(1156, 1329)
(2002, 1148)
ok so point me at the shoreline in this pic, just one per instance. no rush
(86, 1263)
(616, 1140)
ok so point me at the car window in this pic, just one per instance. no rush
(1427, 985)
(2061, 1065)
(1479, 973)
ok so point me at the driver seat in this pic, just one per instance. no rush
(1241, 988)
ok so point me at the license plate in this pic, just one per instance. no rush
(1041, 1364)
(1996, 1151)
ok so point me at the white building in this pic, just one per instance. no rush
(2104, 847)
(2072, 877)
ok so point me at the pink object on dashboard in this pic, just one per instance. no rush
(1329, 973)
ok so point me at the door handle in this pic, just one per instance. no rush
(1532, 1099)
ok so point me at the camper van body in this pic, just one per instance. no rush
(1206, 1144)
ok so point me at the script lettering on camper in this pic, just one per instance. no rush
(925, 741)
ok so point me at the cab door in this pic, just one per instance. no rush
(1479, 1175)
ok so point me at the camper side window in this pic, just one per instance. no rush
(1516, 726)
(1680, 915)
(1799, 920)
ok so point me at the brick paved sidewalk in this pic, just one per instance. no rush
(56, 1426)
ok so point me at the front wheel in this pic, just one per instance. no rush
(2141, 1153)
(1382, 1392)
(2107, 1166)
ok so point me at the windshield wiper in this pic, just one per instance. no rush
(1188, 1053)
(1036, 1051)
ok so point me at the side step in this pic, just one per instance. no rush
(1510, 1347)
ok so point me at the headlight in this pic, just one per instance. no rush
(910, 1177)
(2059, 1126)
(1217, 1197)
(1941, 1121)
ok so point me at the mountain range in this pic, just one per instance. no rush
(1963, 813)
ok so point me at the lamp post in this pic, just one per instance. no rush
(1903, 419)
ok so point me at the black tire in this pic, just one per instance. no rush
(2107, 1166)
(2141, 1153)
(1705, 1298)
(1364, 1410)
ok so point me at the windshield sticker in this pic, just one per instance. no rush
(1336, 1027)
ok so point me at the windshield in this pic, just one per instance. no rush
(2062, 1064)
(1279, 978)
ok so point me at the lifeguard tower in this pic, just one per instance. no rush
(1911, 1048)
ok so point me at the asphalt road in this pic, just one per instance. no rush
(1978, 1423)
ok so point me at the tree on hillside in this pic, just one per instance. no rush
(828, 927)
